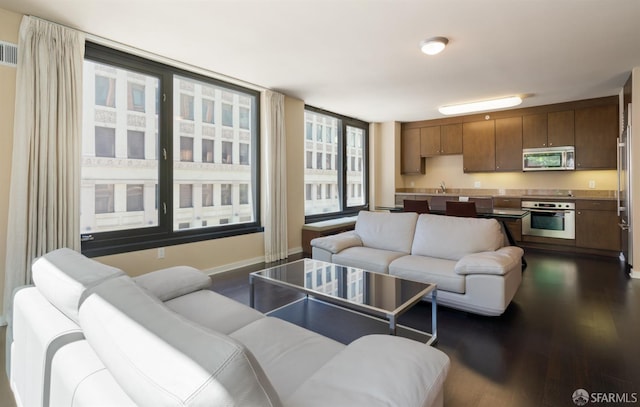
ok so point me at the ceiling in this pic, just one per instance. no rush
(361, 58)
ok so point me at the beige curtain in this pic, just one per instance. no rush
(275, 237)
(45, 173)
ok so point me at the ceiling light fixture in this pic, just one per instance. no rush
(433, 45)
(481, 105)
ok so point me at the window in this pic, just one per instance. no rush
(135, 197)
(186, 195)
(207, 151)
(104, 198)
(344, 176)
(227, 152)
(225, 194)
(105, 89)
(308, 132)
(186, 148)
(207, 195)
(309, 163)
(244, 154)
(244, 116)
(164, 198)
(105, 139)
(186, 107)
(135, 144)
(207, 111)
(244, 194)
(227, 115)
(135, 98)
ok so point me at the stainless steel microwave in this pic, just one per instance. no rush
(548, 159)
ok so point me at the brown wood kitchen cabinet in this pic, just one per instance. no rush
(479, 146)
(597, 225)
(410, 161)
(441, 140)
(596, 135)
(551, 129)
(509, 144)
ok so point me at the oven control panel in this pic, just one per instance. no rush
(548, 205)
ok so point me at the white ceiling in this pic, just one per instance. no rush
(361, 58)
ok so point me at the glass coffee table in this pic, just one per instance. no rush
(380, 296)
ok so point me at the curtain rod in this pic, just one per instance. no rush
(158, 58)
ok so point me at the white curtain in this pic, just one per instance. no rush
(44, 211)
(275, 239)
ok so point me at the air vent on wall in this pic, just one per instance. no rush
(8, 54)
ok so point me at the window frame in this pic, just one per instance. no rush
(341, 165)
(161, 235)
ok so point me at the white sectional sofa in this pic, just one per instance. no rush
(468, 258)
(88, 335)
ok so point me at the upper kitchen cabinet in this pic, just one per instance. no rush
(479, 146)
(551, 129)
(441, 140)
(560, 128)
(509, 144)
(430, 141)
(411, 162)
(596, 135)
(534, 131)
(451, 139)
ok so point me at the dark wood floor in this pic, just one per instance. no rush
(574, 323)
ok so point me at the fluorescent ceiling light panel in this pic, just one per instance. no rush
(481, 105)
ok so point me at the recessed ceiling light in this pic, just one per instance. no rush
(433, 45)
(481, 105)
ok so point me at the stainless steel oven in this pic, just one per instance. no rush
(549, 219)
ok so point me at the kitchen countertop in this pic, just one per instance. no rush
(518, 194)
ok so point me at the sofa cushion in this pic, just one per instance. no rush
(498, 262)
(337, 243)
(450, 237)
(130, 329)
(173, 282)
(64, 275)
(429, 270)
(366, 258)
(214, 311)
(377, 370)
(387, 231)
(288, 353)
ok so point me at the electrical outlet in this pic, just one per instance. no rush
(412, 184)
(161, 252)
(477, 184)
(592, 184)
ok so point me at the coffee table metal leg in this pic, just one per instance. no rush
(251, 291)
(392, 325)
(434, 316)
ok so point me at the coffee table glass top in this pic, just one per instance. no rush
(380, 293)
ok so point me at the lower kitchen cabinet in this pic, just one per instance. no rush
(597, 225)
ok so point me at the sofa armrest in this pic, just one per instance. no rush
(337, 243)
(172, 282)
(497, 262)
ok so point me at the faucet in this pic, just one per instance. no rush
(443, 187)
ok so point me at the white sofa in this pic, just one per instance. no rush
(88, 335)
(468, 258)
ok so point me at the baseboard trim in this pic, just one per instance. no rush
(247, 262)
(634, 274)
(233, 266)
